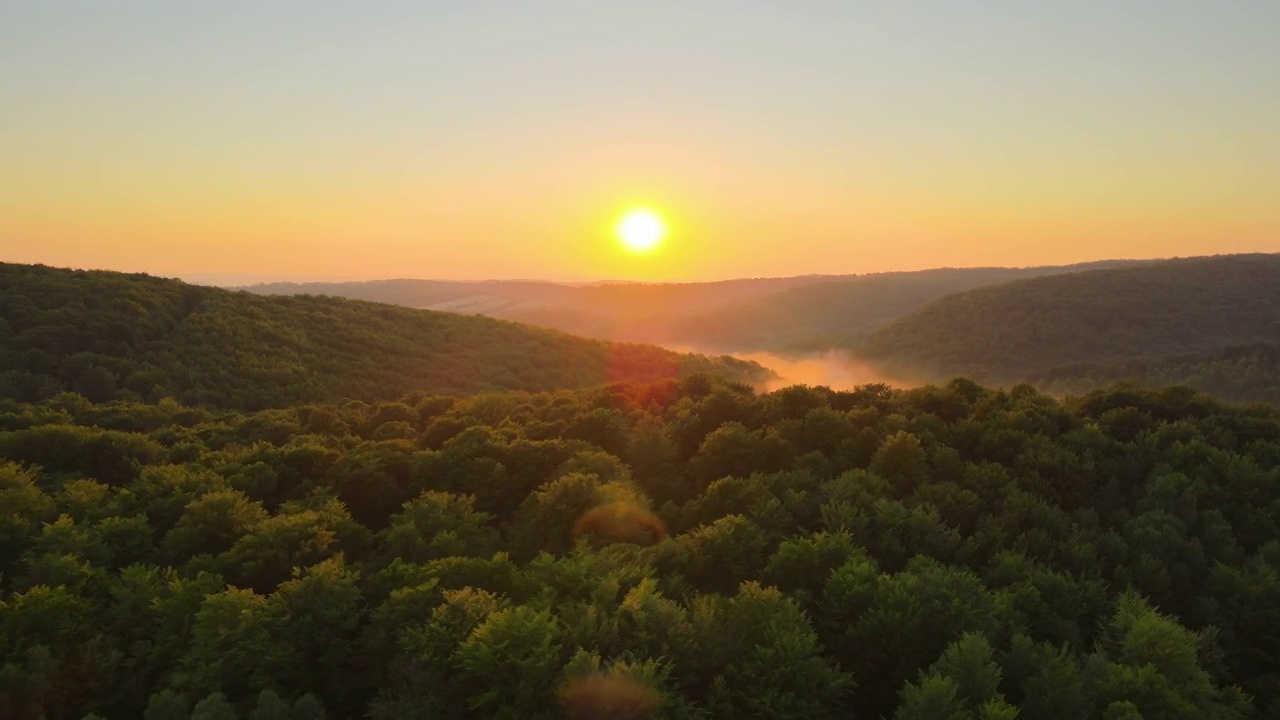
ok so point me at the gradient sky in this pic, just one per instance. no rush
(485, 139)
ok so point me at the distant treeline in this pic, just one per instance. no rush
(941, 553)
(115, 336)
(1212, 323)
(744, 315)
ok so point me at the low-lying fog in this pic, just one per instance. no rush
(834, 369)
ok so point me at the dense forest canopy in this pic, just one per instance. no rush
(1177, 306)
(111, 335)
(1243, 374)
(947, 552)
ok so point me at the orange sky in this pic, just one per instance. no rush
(490, 142)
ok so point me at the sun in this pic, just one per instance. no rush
(641, 230)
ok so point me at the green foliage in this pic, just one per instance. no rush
(167, 705)
(902, 462)
(134, 337)
(270, 706)
(934, 697)
(1210, 323)
(215, 706)
(944, 552)
(834, 311)
(438, 525)
(307, 707)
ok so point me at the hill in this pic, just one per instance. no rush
(109, 335)
(605, 310)
(943, 552)
(796, 313)
(1176, 312)
(832, 313)
(1239, 374)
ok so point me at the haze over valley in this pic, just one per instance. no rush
(1206, 322)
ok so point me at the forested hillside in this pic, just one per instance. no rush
(111, 335)
(944, 553)
(1241, 374)
(613, 311)
(790, 314)
(835, 313)
(1180, 317)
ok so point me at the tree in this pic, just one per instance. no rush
(1151, 662)
(212, 524)
(546, 518)
(719, 556)
(437, 525)
(215, 706)
(507, 663)
(902, 461)
(802, 565)
(911, 619)
(316, 616)
(266, 556)
(732, 450)
(934, 697)
(232, 647)
(167, 705)
(970, 662)
(270, 706)
(764, 658)
(307, 707)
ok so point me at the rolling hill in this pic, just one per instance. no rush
(829, 314)
(109, 335)
(778, 314)
(611, 311)
(1152, 319)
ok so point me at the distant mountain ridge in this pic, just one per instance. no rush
(744, 315)
(834, 313)
(107, 335)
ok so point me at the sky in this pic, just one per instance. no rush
(482, 139)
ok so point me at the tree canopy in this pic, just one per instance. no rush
(687, 547)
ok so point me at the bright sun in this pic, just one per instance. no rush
(640, 230)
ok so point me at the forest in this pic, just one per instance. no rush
(836, 313)
(791, 314)
(1210, 322)
(110, 336)
(685, 548)
(1242, 374)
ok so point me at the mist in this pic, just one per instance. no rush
(834, 369)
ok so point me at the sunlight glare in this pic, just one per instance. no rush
(641, 230)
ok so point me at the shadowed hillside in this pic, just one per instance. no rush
(1186, 314)
(834, 313)
(109, 335)
(613, 311)
(789, 314)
